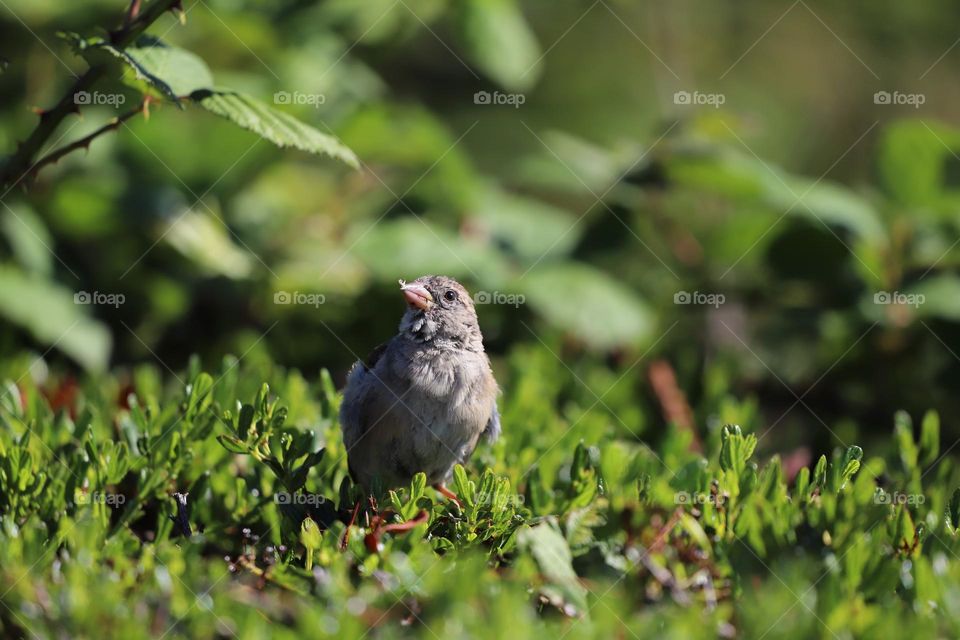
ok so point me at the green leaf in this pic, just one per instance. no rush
(276, 126)
(735, 449)
(589, 303)
(741, 176)
(465, 488)
(937, 296)
(903, 432)
(913, 155)
(531, 229)
(181, 72)
(851, 464)
(28, 238)
(172, 71)
(952, 512)
(930, 437)
(199, 397)
(244, 420)
(820, 472)
(549, 548)
(499, 41)
(411, 246)
(51, 313)
(232, 444)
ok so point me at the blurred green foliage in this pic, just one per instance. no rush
(584, 538)
(587, 203)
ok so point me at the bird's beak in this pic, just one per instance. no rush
(416, 296)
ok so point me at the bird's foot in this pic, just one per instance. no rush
(446, 493)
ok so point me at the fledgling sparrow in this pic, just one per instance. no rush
(421, 401)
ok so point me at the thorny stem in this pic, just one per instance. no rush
(84, 142)
(21, 162)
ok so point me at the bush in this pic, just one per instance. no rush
(553, 536)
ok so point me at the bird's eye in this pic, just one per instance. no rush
(450, 295)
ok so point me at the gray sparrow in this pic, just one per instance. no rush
(422, 400)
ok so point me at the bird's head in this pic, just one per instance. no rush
(440, 310)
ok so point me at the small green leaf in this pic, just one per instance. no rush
(851, 464)
(930, 437)
(549, 548)
(232, 444)
(500, 41)
(244, 421)
(465, 488)
(952, 513)
(199, 396)
(903, 432)
(820, 472)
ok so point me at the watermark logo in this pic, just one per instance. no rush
(897, 297)
(899, 98)
(114, 500)
(697, 98)
(95, 98)
(498, 98)
(699, 298)
(499, 297)
(698, 498)
(898, 498)
(303, 499)
(299, 98)
(100, 299)
(299, 297)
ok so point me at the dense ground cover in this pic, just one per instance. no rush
(569, 525)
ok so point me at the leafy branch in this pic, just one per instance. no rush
(84, 142)
(157, 69)
(18, 165)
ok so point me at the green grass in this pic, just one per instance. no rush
(570, 526)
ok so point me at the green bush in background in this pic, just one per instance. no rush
(582, 189)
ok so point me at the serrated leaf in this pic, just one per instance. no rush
(274, 125)
(172, 71)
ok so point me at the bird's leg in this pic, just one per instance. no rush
(446, 493)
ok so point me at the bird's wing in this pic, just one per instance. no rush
(355, 405)
(492, 431)
(375, 356)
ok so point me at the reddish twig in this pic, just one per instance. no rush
(673, 402)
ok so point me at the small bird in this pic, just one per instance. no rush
(422, 400)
